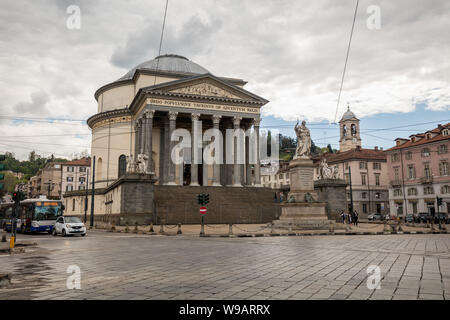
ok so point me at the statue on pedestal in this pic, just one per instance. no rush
(303, 141)
(131, 164)
(327, 172)
(142, 163)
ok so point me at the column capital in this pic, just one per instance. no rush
(216, 118)
(237, 121)
(149, 114)
(195, 116)
(173, 115)
(256, 122)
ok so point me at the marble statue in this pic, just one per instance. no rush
(303, 141)
(131, 164)
(327, 172)
(142, 163)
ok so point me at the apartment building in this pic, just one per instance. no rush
(75, 174)
(419, 172)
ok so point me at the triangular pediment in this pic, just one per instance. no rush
(206, 89)
(207, 86)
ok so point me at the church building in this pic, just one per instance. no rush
(136, 116)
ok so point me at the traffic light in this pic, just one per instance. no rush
(206, 198)
(439, 201)
(2, 167)
(200, 199)
(18, 196)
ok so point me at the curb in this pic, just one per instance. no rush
(254, 235)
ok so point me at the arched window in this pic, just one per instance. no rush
(122, 165)
(99, 173)
(344, 130)
(353, 128)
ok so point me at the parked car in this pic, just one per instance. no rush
(69, 225)
(375, 216)
(409, 218)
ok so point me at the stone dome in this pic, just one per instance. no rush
(348, 115)
(168, 63)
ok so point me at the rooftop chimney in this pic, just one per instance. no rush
(376, 148)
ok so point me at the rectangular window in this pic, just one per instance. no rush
(69, 188)
(81, 188)
(376, 166)
(425, 152)
(363, 195)
(394, 157)
(82, 169)
(443, 168)
(363, 179)
(414, 207)
(396, 173)
(408, 155)
(377, 179)
(427, 170)
(346, 165)
(364, 207)
(69, 179)
(363, 165)
(411, 171)
(81, 179)
(442, 148)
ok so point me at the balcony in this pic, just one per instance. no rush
(426, 180)
(396, 183)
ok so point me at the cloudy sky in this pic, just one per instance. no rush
(290, 52)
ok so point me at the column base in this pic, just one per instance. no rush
(194, 184)
(170, 184)
(258, 185)
(216, 184)
(237, 185)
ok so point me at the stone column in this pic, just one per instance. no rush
(137, 137)
(149, 140)
(258, 157)
(171, 164)
(216, 169)
(142, 138)
(165, 151)
(194, 151)
(236, 165)
(248, 166)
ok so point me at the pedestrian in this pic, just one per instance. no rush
(349, 218)
(281, 197)
(275, 199)
(356, 218)
(343, 216)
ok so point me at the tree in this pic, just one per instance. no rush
(330, 149)
(32, 156)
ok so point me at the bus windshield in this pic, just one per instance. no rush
(47, 211)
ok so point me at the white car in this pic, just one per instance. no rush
(69, 225)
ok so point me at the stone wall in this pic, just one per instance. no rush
(178, 204)
(334, 194)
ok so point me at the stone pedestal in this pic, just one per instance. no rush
(333, 192)
(301, 214)
(301, 175)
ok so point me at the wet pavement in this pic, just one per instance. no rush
(133, 266)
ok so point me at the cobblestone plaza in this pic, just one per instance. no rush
(132, 266)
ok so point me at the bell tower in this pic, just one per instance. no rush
(349, 131)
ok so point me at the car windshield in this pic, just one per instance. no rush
(72, 220)
(47, 212)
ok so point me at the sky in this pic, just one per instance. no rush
(291, 52)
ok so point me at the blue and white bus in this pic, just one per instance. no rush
(37, 215)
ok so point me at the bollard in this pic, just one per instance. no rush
(151, 228)
(113, 226)
(399, 227)
(179, 229)
(331, 230)
(161, 227)
(12, 241)
(290, 228)
(136, 228)
(230, 229)
(126, 227)
(3, 236)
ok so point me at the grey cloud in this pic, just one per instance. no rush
(37, 106)
(190, 39)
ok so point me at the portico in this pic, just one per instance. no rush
(210, 104)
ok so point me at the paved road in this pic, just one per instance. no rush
(129, 266)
